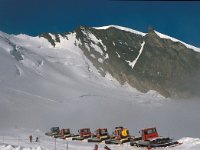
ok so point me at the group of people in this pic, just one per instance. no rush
(105, 147)
(31, 139)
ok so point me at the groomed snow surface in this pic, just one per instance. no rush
(18, 139)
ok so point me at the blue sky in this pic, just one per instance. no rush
(33, 17)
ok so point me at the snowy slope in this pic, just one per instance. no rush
(50, 82)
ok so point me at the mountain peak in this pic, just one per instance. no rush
(151, 29)
(120, 28)
(146, 61)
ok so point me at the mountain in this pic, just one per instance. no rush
(146, 61)
(59, 86)
(82, 79)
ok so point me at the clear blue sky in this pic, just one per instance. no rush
(33, 17)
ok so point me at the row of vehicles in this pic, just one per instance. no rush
(149, 137)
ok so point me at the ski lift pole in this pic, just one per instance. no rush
(66, 145)
(18, 141)
(3, 139)
(55, 143)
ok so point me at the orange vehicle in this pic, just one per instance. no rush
(99, 135)
(83, 134)
(151, 138)
(120, 135)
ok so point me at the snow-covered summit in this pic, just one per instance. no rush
(176, 40)
(143, 34)
(121, 28)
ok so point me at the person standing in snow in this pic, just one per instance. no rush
(30, 138)
(106, 147)
(96, 147)
(37, 139)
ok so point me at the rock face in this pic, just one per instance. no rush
(145, 61)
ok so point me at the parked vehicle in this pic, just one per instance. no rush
(120, 135)
(83, 134)
(151, 138)
(99, 135)
(54, 131)
(66, 133)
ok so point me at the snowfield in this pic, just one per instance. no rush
(15, 142)
(43, 86)
(47, 143)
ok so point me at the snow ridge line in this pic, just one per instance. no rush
(121, 28)
(34, 95)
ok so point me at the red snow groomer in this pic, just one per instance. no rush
(150, 138)
(99, 135)
(83, 134)
(66, 133)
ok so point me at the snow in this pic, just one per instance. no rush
(69, 44)
(104, 47)
(107, 56)
(132, 64)
(96, 41)
(93, 56)
(176, 40)
(52, 36)
(118, 55)
(96, 48)
(121, 28)
(100, 60)
(17, 139)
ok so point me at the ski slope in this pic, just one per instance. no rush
(16, 142)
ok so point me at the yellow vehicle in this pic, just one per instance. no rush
(120, 135)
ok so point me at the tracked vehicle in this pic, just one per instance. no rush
(84, 133)
(150, 138)
(120, 135)
(99, 135)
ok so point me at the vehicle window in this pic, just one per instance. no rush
(66, 131)
(56, 129)
(151, 131)
(86, 130)
(104, 132)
